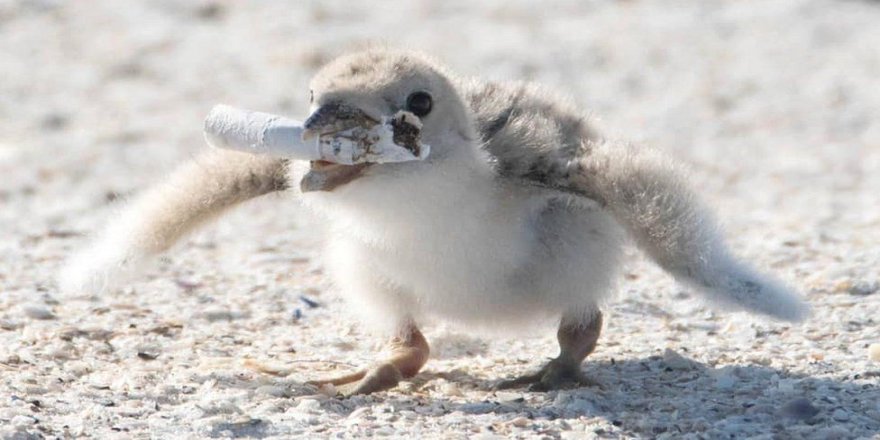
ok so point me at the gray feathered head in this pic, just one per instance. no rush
(364, 87)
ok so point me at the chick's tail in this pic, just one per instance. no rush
(650, 198)
(154, 221)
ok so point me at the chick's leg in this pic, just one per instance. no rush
(409, 352)
(577, 339)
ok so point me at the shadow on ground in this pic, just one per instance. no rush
(645, 397)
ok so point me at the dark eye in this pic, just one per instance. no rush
(419, 103)
(311, 96)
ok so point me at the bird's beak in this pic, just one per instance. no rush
(326, 120)
(334, 117)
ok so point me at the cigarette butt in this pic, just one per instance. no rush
(263, 133)
(258, 133)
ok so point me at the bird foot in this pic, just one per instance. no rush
(380, 378)
(409, 352)
(555, 375)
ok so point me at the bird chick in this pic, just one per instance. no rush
(519, 214)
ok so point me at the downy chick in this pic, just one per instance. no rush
(519, 214)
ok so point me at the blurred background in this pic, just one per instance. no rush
(773, 105)
(102, 96)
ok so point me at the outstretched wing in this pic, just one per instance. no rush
(527, 131)
(535, 137)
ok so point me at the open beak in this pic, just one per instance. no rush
(325, 121)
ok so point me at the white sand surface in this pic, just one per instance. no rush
(774, 105)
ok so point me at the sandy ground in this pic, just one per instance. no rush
(773, 104)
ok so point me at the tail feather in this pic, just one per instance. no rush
(153, 222)
(648, 196)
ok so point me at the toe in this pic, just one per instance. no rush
(555, 375)
(554, 382)
(339, 380)
(521, 381)
(381, 378)
(562, 379)
(513, 383)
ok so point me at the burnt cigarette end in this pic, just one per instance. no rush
(406, 131)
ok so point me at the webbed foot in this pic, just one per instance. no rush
(554, 375)
(409, 353)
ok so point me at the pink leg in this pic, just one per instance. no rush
(409, 353)
(576, 341)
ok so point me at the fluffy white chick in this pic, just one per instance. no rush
(519, 214)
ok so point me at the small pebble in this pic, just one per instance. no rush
(8, 324)
(864, 288)
(38, 312)
(272, 390)
(385, 431)
(562, 398)
(210, 11)
(62, 352)
(100, 381)
(148, 352)
(477, 408)
(309, 405)
(581, 407)
(220, 314)
(799, 408)
(35, 390)
(874, 352)
(506, 396)
(77, 368)
(54, 121)
(675, 361)
(520, 422)
(309, 302)
(450, 389)
(23, 421)
(358, 413)
(840, 415)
